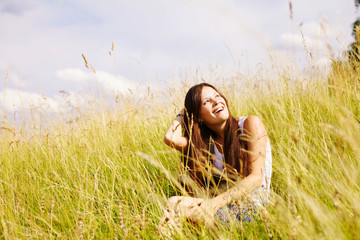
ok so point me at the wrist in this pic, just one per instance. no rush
(181, 113)
(220, 201)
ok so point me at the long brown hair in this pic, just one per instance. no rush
(198, 155)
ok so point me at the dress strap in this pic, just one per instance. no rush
(241, 123)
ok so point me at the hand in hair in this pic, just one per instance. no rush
(173, 136)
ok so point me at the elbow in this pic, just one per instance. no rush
(167, 140)
(178, 143)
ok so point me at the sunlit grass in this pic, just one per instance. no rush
(106, 173)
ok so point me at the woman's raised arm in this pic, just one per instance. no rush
(173, 136)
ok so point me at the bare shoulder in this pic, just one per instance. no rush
(252, 119)
(253, 125)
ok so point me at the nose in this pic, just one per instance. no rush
(215, 101)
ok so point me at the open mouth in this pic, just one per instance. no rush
(219, 110)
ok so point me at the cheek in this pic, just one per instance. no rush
(204, 112)
(227, 109)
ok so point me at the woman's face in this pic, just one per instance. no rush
(213, 108)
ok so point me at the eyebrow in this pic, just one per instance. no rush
(210, 95)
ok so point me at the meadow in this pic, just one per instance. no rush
(104, 172)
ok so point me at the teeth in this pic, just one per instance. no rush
(219, 110)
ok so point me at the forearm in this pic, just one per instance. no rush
(174, 131)
(173, 136)
(237, 192)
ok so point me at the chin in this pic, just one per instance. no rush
(226, 116)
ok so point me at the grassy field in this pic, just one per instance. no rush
(106, 173)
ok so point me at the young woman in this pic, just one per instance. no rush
(227, 158)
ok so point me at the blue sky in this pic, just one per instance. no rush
(42, 40)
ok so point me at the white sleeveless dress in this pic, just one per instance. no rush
(261, 195)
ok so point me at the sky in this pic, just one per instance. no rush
(146, 43)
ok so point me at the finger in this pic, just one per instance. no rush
(196, 203)
(198, 213)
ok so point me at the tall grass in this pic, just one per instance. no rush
(107, 174)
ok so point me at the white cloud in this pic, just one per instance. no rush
(313, 29)
(324, 62)
(10, 76)
(73, 74)
(12, 100)
(302, 41)
(110, 82)
(74, 99)
(114, 83)
(287, 60)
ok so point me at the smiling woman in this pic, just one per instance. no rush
(227, 160)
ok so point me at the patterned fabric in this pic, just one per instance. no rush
(242, 214)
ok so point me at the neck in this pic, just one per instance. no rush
(220, 131)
